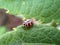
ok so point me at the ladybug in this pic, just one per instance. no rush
(28, 23)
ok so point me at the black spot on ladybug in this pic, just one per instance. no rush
(29, 24)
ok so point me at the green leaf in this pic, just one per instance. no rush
(44, 10)
(2, 30)
(36, 44)
(37, 34)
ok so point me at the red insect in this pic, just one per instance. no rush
(28, 23)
